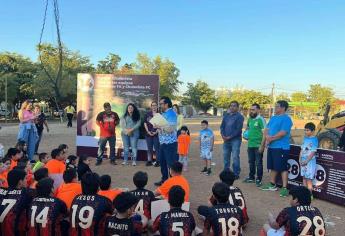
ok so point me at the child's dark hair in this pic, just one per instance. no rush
(90, 183)
(40, 174)
(302, 194)
(20, 145)
(71, 158)
(42, 156)
(310, 126)
(22, 163)
(69, 175)
(177, 167)
(5, 159)
(62, 146)
(176, 196)
(221, 192)
(204, 122)
(228, 177)
(12, 152)
(14, 176)
(82, 158)
(44, 187)
(56, 152)
(140, 179)
(185, 128)
(104, 182)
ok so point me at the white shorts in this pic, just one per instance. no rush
(206, 155)
(273, 232)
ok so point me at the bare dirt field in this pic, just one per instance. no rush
(258, 202)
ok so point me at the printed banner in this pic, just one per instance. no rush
(119, 90)
(329, 182)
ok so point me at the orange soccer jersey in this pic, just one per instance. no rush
(111, 194)
(3, 180)
(55, 166)
(67, 192)
(183, 141)
(13, 164)
(175, 180)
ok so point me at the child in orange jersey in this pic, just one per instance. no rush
(183, 141)
(104, 185)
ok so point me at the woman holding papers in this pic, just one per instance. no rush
(151, 135)
(130, 124)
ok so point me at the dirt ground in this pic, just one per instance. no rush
(259, 203)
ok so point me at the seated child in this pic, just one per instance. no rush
(4, 168)
(38, 175)
(104, 185)
(71, 162)
(83, 165)
(42, 160)
(14, 155)
(56, 167)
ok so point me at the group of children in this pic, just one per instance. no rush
(206, 143)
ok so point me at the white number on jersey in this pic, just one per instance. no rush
(85, 222)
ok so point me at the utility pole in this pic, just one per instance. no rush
(6, 99)
(273, 99)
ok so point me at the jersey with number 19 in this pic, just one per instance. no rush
(13, 208)
(88, 214)
(45, 215)
(224, 219)
(302, 220)
(174, 223)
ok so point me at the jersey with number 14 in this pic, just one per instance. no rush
(302, 220)
(174, 223)
(224, 219)
(13, 206)
(144, 204)
(88, 214)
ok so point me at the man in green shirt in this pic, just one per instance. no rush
(255, 126)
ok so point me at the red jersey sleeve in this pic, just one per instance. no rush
(282, 218)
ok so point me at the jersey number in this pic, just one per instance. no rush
(85, 216)
(178, 227)
(9, 203)
(231, 227)
(140, 207)
(41, 218)
(317, 222)
(238, 196)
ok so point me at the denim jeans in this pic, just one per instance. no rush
(152, 141)
(130, 141)
(69, 118)
(255, 163)
(231, 149)
(40, 133)
(168, 156)
(102, 142)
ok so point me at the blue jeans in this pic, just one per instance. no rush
(102, 142)
(28, 134)
(168, 156)
(152, 141)
(130, 141)
(255, 163)
(231, 149)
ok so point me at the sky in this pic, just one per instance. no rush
(245, 43)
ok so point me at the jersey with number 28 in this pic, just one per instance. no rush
(302, 220)
(88, 215)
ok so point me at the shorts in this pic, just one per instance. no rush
(206, 155)
(273, 232)
(308, 171)
(277, 159)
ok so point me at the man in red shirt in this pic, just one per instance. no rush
(107, 120)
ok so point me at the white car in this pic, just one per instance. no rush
(4, 112)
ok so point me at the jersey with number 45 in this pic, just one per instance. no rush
(45, 215)
(88, 214)
(14, 204)
(236, 198)
(224, 219)
(302, 220)
(175, 222)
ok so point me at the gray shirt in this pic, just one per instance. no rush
(232, 125)
(127, 123)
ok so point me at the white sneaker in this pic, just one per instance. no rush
(124, 163)
(213, 163)
(134, 163)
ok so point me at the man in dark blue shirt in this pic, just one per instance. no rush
(231, 131)
(40, 122)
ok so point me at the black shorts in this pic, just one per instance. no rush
(277, 159)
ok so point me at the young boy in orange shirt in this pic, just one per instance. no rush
(56, 167)
(70, 188)
(104, 185)
(176, 179)
(14, 154)
(183, 143)
(4, 168)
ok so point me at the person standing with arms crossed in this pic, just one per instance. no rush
(70, 113)
(107, 121)
(277, 138)
(167, 139)
(231, 131)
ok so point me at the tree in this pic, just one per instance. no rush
(200, 95)
(283, 96)
(223, 98)
(59, 89)
(321, 94)
(299, 97)
(247, 97)
(110, 65)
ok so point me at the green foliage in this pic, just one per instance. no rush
(299, 97)
(200, 95)
(322, 95)
(110, 65)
